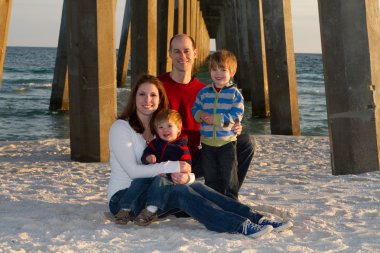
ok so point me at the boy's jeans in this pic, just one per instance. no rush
(245, 149)
(133, 197)
(220, 168)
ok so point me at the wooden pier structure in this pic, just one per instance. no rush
(259, 32)
(5, 14)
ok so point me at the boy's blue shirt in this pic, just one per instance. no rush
(227, 107)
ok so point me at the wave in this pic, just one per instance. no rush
(27, 82)
(312, 93)
(310, 79)
(30, 70)
(40, 85)
(43, 71)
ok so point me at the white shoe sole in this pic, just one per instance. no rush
(285, 226)
(265, 230)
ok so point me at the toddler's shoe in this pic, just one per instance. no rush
(145, 218)
(123, 216)
(277, 226)
(253, 230)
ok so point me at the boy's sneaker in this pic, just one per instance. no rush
(123, 216)
(145, 218)
(254, 230)
(277, 226)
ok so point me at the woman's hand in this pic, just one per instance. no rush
(180, 178)
(184, 167)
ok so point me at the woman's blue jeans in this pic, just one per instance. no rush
(214, 210)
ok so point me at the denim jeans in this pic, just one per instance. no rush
(245, 149)
(214, 210)
(221, 168)
(134, 197)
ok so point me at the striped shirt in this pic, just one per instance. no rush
(227, 107)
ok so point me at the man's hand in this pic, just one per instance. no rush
(237, 128)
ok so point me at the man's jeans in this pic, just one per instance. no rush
(214, 210)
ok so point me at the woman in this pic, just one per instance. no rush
(131, 181)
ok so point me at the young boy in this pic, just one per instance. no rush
(217, 108)
(170, 145)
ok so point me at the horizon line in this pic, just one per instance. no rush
(55, 47)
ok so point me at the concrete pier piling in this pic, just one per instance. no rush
(244, 75)
(144, 38)
(257, 65)
(124, 53)
(5, 15)
(350, 33)
(165, 30)
(281, 67)
(179, 16)
(92, 77)
(59, 99)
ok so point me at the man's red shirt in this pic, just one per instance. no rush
(181, 98)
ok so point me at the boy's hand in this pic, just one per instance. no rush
(151, 159)
(208, 118)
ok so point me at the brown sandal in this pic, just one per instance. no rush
(123, 216)
(145, 218)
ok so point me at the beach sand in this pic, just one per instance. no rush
(49, 203)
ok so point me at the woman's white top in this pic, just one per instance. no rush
(126, 149)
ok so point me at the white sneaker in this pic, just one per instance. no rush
(277, 226)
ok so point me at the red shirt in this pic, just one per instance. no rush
(182, 97)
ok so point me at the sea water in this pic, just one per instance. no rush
(26, 89)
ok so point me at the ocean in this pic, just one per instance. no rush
(26, 88)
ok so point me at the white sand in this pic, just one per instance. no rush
(50, 204)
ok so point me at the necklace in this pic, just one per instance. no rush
(148, 136)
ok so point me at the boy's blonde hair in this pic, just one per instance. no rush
(223, 59)
(168, 115)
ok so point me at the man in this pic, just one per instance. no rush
(182, 88)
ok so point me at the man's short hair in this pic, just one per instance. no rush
(181, 36)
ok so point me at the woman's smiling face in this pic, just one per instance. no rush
(147, 99)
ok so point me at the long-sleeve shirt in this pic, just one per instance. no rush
(227, 107)
(126, 149)
(176, 150)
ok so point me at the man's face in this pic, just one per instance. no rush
(183, 54)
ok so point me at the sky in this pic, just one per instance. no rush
(36, 23)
